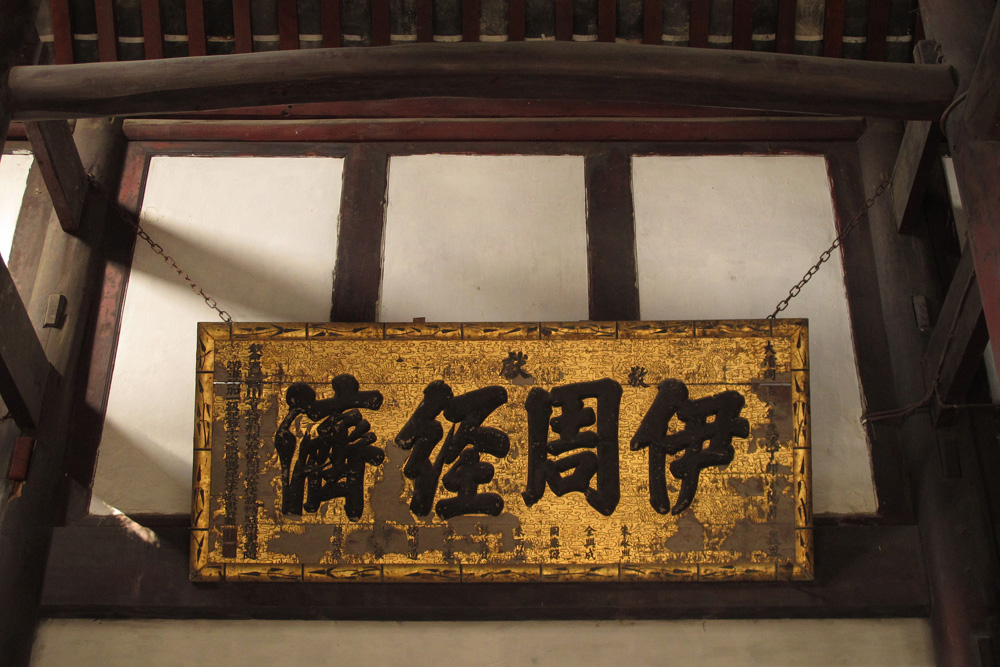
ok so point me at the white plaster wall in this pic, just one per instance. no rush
(725, 237)
(804, 643)
(260, 235)
(13, 178)
(485, 239)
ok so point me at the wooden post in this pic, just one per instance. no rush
(69, 266)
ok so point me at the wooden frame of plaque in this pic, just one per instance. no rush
(502, 452)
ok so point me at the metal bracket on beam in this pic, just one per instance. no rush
(61, 167)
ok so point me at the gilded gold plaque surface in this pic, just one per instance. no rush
(597, 451)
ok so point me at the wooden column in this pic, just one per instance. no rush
(68, 265)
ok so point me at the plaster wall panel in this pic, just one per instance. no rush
(260, 235)
(805, 643)
(725, 237)
(485, 238)
(13, 179)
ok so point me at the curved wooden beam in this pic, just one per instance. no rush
(523, 70)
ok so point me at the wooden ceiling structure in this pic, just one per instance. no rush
(932, 549)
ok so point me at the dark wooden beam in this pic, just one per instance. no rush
(330, 15)
(288, 24)
(194, 11)
(107, 34)
(24, 368)
(152, 32)
(380, 23)
(955, 350)
(57, 157)
(878, 28)
(564, 20)
(515, 20)
(614, 289)
(833, 29)
(785, 37)
(607, 20)
(470, 21)
(359, 247)
(62, 32)
(508, 129)
(742, 25)
(242, 32)
(700, 15)
(652, 22)
(982, 108)
(919, 149)
(150, 579)
(530, 70)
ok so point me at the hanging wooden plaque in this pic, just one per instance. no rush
(590, 451)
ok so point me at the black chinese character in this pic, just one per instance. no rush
(332, 456)
(467, 440)
(513, 366)
(672, 398)
(585, 465)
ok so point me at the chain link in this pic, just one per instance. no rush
(133, 221)
(826, 254)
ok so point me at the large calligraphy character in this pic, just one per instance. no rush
(332, 456)
(466, 441)
(585, 465)
(672, 399)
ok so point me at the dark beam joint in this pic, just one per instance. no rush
(63, 173)
(913, 168)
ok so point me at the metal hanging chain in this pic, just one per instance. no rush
(133, 221)
(825, 255)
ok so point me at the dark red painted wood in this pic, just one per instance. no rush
(242, 32)
(546, 130)
(607, 18)
(470, 20)
(652, 22)
(425, 20)
(288, 25)
(152, 32)
(564, 20)
(700, 13)
(359, 247)
(515, 20)
(614, 291)
(107, 35)
(330, 17)
(195, 13)
(380, 22)
(62, 33)
(878, 26)
(833, 32)
(785, 38)
(742, 25)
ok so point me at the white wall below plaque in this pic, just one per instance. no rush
(260, 235)
(725, 237)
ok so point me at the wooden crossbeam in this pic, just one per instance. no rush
(917, 153)
(528, 70)
(57, 158)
